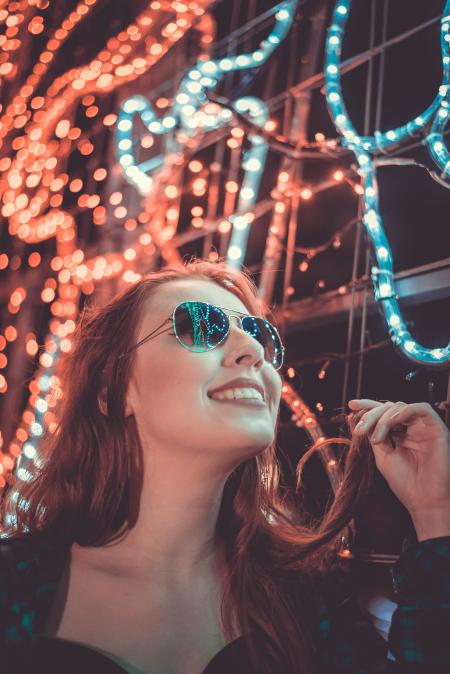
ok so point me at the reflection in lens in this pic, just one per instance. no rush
(200, 326)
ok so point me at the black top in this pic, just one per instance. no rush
(419, 637)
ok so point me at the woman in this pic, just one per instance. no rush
(155, 538)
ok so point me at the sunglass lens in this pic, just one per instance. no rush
(267, 336)
(200, 326)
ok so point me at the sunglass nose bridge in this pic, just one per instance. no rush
(237, 320)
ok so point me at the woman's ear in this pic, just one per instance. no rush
(128, 409)
(102, 398)
(103, 404)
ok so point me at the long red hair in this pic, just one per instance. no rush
(87, 489)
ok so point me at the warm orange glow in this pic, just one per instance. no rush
(93, 201)
(172, 213)
(100, 174)
(110, 119)
(91, 111)
(120, 212)
(199, 184)
(48, 295)
(10, 333)
(86, 148)
(224, 226)
(270, 125)
(76, 185)
(32, 347)
(147, 141)
(171, 191)
(62, 128)
(161, 102)
(115, 198)
(99, 214)
(195, 166)
(231, 186)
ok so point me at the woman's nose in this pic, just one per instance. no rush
(243, 344)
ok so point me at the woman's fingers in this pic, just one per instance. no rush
(371, 418)
(377, 419)
(414, 411)
(363, 403)
(358, 408)
(386, 423)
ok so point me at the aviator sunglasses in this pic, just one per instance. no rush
(200, 327)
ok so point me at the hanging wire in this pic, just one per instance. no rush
(335, 356)
(312, 251)
(318, 80)
(295, 198)
(238, 34)
(359, 231)
(380, 90)
(362, 336)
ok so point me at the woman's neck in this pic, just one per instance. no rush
(175, 534)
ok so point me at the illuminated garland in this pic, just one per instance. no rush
(304, 418)
(47, 140)
(192, 111)
(435, 139)
(363, 147)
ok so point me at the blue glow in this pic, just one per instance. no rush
(364, 147)
(380, 140)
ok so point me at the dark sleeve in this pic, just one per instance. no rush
(30, 567)
(419, 637)
(16, 566)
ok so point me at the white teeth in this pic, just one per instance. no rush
(235, 393)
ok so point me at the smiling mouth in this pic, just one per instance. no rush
(249, 402)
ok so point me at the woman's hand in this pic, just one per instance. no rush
(411, 445)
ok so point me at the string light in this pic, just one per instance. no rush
(363, 147)
(323, 370)
(303, 417)
(45, 143)
(192, 110)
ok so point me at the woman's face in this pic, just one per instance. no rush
(168, 390)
